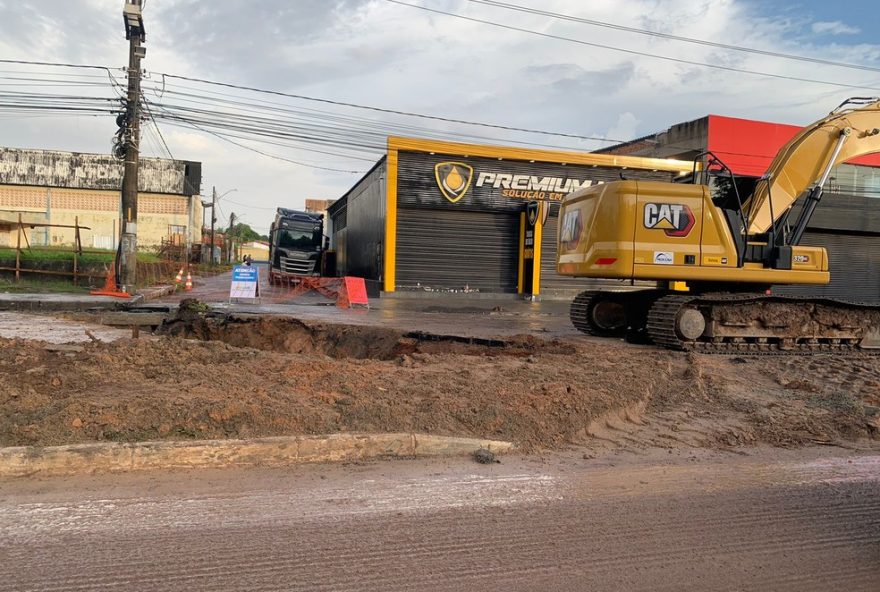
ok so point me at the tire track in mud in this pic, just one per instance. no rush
(519, 548)
(796, 526)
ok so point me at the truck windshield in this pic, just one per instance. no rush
(304, 237)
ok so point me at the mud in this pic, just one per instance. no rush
(219, 377)
(292, 336)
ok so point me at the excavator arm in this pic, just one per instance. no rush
(802, 166)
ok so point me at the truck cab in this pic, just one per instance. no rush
(296, 245)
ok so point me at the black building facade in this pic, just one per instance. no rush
(439, 216)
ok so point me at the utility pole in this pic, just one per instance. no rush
(230, 237)
(134, 32)
(213, 220)
(205, 206)
(213, 206)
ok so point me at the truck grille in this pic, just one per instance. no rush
(297, 266)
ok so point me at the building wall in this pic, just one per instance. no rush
(99, 211)
(452, 244)
(257, 250)
(748, 147)
(358, 221)
(397, 228)
(75, 170)
(54, 187)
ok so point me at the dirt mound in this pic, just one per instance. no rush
(290, 335)
(176, 388)
(268, 376)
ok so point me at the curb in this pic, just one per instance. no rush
(56, 302)
(78, 459)
(155, 292)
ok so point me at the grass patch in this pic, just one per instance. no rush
(49, 286)
(50, 254)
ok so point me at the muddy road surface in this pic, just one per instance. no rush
(775, 520)
(219, 377)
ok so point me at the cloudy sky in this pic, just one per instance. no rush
(531, 73)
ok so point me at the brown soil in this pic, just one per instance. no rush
(264, 376)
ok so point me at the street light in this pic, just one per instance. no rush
(132, 14)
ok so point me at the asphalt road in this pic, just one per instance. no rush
(770, 521)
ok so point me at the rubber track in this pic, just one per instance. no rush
(661, 325)
(578, 312)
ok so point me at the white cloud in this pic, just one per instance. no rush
(834, 28)
(626, 126)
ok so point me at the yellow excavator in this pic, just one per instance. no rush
(710, 255)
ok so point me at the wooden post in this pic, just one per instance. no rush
(18, 250)
(76, 248)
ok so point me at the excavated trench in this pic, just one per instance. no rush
(289, 335)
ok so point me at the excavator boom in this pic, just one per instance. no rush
(846, 133)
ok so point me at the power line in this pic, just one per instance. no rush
(631, 51)
(383, 110)
(252, 149)
(752, 50)
(302, 113)
(156, 125)
(55, 64)
(378, 125)
(249, 205)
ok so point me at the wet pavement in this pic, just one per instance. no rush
(458, 314)
(16, 325)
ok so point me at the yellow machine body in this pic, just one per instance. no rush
(713, 256)
(648, 230)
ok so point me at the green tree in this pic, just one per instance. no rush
(243, 233)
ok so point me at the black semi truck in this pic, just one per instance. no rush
(298, 247)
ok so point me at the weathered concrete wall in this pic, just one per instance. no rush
(74, 170)
(98, 210)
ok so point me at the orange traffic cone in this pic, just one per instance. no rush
(189, 282)
(179, 277)
(110, 288)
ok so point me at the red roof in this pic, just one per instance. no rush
(748, 146)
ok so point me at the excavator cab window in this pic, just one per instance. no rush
(725, 187)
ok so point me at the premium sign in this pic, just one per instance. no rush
(531, 186)
(482, 183)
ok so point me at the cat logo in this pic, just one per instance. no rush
(453, 179)
(673, 219)
(532, 209)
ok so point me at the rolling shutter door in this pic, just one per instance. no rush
(854, 261)
(443, 250)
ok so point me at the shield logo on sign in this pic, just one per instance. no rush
(532, 209)
(453, 179)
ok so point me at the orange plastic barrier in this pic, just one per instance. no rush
(345, 292)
